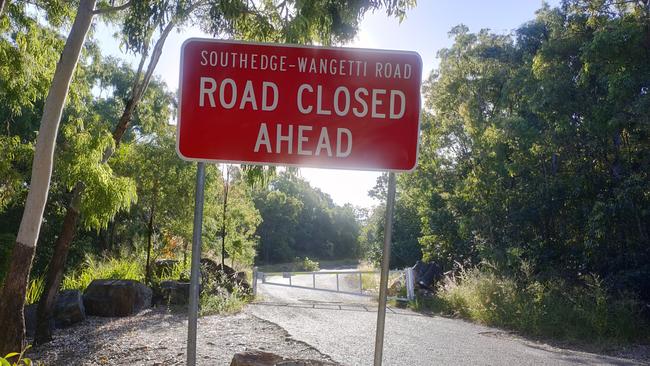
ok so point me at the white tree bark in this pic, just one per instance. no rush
(30, 224)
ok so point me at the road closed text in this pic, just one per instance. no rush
(299, 105)
(343, 102)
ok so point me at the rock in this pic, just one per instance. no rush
(215, 275)
(242, 281)
(116, 297)
(426, 274)
(174, 292)
(30, 320)
(260, 358)
(164, 265)
(69, 308)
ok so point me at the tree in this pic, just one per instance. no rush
(140, 23)
(13, 291)
(279, 218)
(534, 150)
(301, 221)
(405, 248)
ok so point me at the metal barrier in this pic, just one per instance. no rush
(303, 283)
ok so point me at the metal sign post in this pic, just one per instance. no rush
(270, 104)
(385, 262)
(196, 265)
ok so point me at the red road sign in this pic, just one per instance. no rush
(307, 106)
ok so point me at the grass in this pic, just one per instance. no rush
(35, 290)
(223, 302)
(582, 313)
(179, 271)
(370, 281)
(109, 268)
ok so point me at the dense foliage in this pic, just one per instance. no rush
(535, 148)
(301, 221)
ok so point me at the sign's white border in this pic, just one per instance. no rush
(212, 40)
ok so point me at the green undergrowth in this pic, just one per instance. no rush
(223, 302)
(582, 313)
(178, 272)
(35, 289)
(123, 268)
(131, 267)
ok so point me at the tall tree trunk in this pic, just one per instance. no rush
(12, 337)
(55, 270)
(2, 5)
(68, 230)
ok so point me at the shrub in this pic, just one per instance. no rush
(548, 309)
(179, 272)
(222, 302)
(306, 264)
(111, 268)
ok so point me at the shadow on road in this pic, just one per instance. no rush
(338, 306)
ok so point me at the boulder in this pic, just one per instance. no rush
(259, 358)
(30, 320)
(116, 297)
(214, 275)
(69, 308)
(160, 266)
(242, 281)
(174, 292)
(426, 274)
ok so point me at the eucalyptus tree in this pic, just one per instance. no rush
(288, 21)
(13, 291)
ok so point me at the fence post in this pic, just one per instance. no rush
(360, 283)
(337, 282)
(410, 284)
(313, 279)
(254, 281)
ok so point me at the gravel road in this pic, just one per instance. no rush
(343, 327)
(156, 337)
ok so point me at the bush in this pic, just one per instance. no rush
(111, 268)
(306, 264)
(547, 309)
(179, 272)
(222, 302)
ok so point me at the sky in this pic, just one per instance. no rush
(425, 31)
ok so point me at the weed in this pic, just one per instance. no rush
(553, 309)
(34, 290)
(223, 302)
(111, 268)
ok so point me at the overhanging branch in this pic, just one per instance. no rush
(111, 9)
